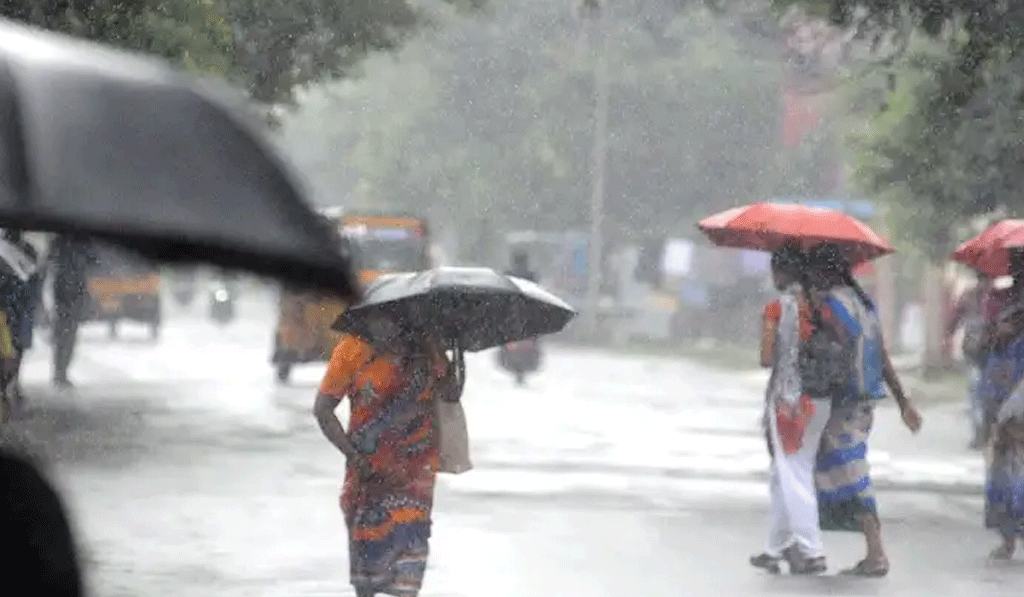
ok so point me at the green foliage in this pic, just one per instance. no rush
(942, 143)
(488, 122)
(266, 46)
(192, 33)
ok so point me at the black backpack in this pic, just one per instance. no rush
(826, 358)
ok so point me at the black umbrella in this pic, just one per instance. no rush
(99, 142)
(471, 308)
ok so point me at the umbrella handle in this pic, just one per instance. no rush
(459, 361)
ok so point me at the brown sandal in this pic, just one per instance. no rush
(868, 569)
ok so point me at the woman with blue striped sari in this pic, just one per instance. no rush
(1002, 393)
(846, 499)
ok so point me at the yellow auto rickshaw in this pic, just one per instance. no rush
(379, 244)
(122, 286)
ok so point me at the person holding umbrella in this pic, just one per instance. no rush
(391, 364)
(844, 359)
(794, 421)
(60, 99)
(1001, 390)
(997, 251)
(391, 372)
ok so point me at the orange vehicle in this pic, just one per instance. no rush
(379, 244)
(122, 286)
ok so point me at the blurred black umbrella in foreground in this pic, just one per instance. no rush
(472, 308)
(40, 556)
(98, 142)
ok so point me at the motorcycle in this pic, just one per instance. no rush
(520, 358)
(222, 304)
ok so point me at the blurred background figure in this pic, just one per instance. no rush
(522, 357)
(19, 293)
(969, 313)
(1004, 370)
(521, 266)
(70, 257)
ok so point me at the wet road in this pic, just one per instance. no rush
(190, 472)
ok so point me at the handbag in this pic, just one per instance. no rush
(450, 426)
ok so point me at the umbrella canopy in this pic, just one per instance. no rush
(473, 308)
(988, 252)
(98, 142)
(769, 226)
(996, 261)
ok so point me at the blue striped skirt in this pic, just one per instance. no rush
(842, 474)
(1004, 488)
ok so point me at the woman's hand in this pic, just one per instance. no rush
(911, 418)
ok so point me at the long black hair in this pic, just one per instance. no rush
(831, 268)
(790, 260)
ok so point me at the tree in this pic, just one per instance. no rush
(268, 47)
(941, 141)
(488, 121)
(191, 33)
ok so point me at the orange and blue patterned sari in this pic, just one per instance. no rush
(392, 425)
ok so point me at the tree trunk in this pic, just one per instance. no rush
(885, 294)
(934, 310)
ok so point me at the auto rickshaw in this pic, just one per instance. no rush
(122, 286)
(379, 244)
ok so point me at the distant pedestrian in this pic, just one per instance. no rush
(1004, 491)
(19, 293)
(969, 313)
(70, 258)
(520, 266)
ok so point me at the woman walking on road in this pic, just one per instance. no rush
(845, 494)
(1004, 488)
(1003, 392)
(794, 423)
(391, 378)
(969, 313)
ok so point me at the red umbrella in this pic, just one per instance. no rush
(769, 226)
(996, 260)
(988, 252)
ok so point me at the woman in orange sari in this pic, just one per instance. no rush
(392, 459)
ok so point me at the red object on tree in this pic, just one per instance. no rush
(770, 226)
